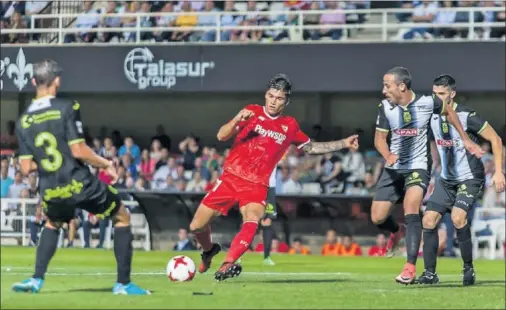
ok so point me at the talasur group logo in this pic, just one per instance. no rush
(142, 69)
(19, 72)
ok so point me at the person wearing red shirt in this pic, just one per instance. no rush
(380, 248)
(262, 136)
(276, 246)
(349, 248)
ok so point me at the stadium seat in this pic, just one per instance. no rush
(487, 224)
(140, 228)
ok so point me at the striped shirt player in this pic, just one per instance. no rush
(463, 174)
(409, 127)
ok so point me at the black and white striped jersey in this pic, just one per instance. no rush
(409, 126)
(456, 162)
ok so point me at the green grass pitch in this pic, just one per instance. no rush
(83, 278)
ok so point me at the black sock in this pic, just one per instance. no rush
(47, 247)
(466, 246)
(123, 251)
(389, 225)
(268, 235)
(413, 236)
(430, 246)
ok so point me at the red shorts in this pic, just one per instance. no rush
(231, 190)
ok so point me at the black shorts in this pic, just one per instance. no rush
(104, 202)
(448, 194)
(392, 184)
(271, 211)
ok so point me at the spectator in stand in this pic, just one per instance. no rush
(140, 184)
(487, 149)
(162, 136)
(160, 36)
(180, 185)
(251, 19)
(212, 160)
(464, 17)
(169, 185)
(17, 186)
(186, 20)
(184, 243)
(97, 147)
(33, 188)
(277, 246)
(380, 248)
(499, 17)
(146, 166)
(8, 138)
(349, 248)
(129, 147)
(190, 149)
(131, 169)
(156, 150)
(129, 183)
(17, 22)
(292, 184)
(299, 248)
(334, 16)
(161, 174)
(164, 159)
(446, 17)
(146, 21)
(121, 176)
(5, 180)
(4, 39)
(212, 183)
(199, 166)
(130, 21)
(90, 221)
(423, 13)
(332, 244)
(197, 183)
(353, 164)
(208, 21)
(87, 20)
(111, 21)
(229, 19)
(109, 151)
(33, 8)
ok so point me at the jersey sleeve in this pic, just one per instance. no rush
(439, 106)
(382, 123)
(300, 139)
(24, 151)
(240, 125)
(73, 125)
(475, 123)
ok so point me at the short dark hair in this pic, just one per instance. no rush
(402, 75)
(45, 72)
(446, 80)
(281, 82)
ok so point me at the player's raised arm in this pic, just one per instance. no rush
(447, 110)
(487, 132)
(315, 148)
(78, 147)
(228, 130)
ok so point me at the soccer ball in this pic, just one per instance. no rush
(181, 268)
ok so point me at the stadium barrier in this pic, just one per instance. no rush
(16, 213)
(384, 23)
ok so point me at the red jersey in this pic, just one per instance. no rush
(260, 143)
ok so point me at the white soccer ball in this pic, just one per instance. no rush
(181, 268)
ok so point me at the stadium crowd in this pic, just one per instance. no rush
(16, 15)
(195, 168)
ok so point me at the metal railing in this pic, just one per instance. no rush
(384, 28)
(7, 229)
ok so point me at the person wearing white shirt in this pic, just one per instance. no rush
(196, 184)
(292, 185)
(423, 13)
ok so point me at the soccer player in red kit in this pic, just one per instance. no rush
(263, 135)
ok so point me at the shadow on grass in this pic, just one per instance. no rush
(455, 284)
(294, 281)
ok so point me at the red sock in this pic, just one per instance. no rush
(204, 238)
(242, 241)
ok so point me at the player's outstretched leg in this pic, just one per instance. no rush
(201, 228)
(380, 216)
(267, 235)
(412, 203)
(430, 247)
(459, 219)
(251, 214)
(45, 251)
(123, 251)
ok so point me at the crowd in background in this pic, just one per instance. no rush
(16, 15)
